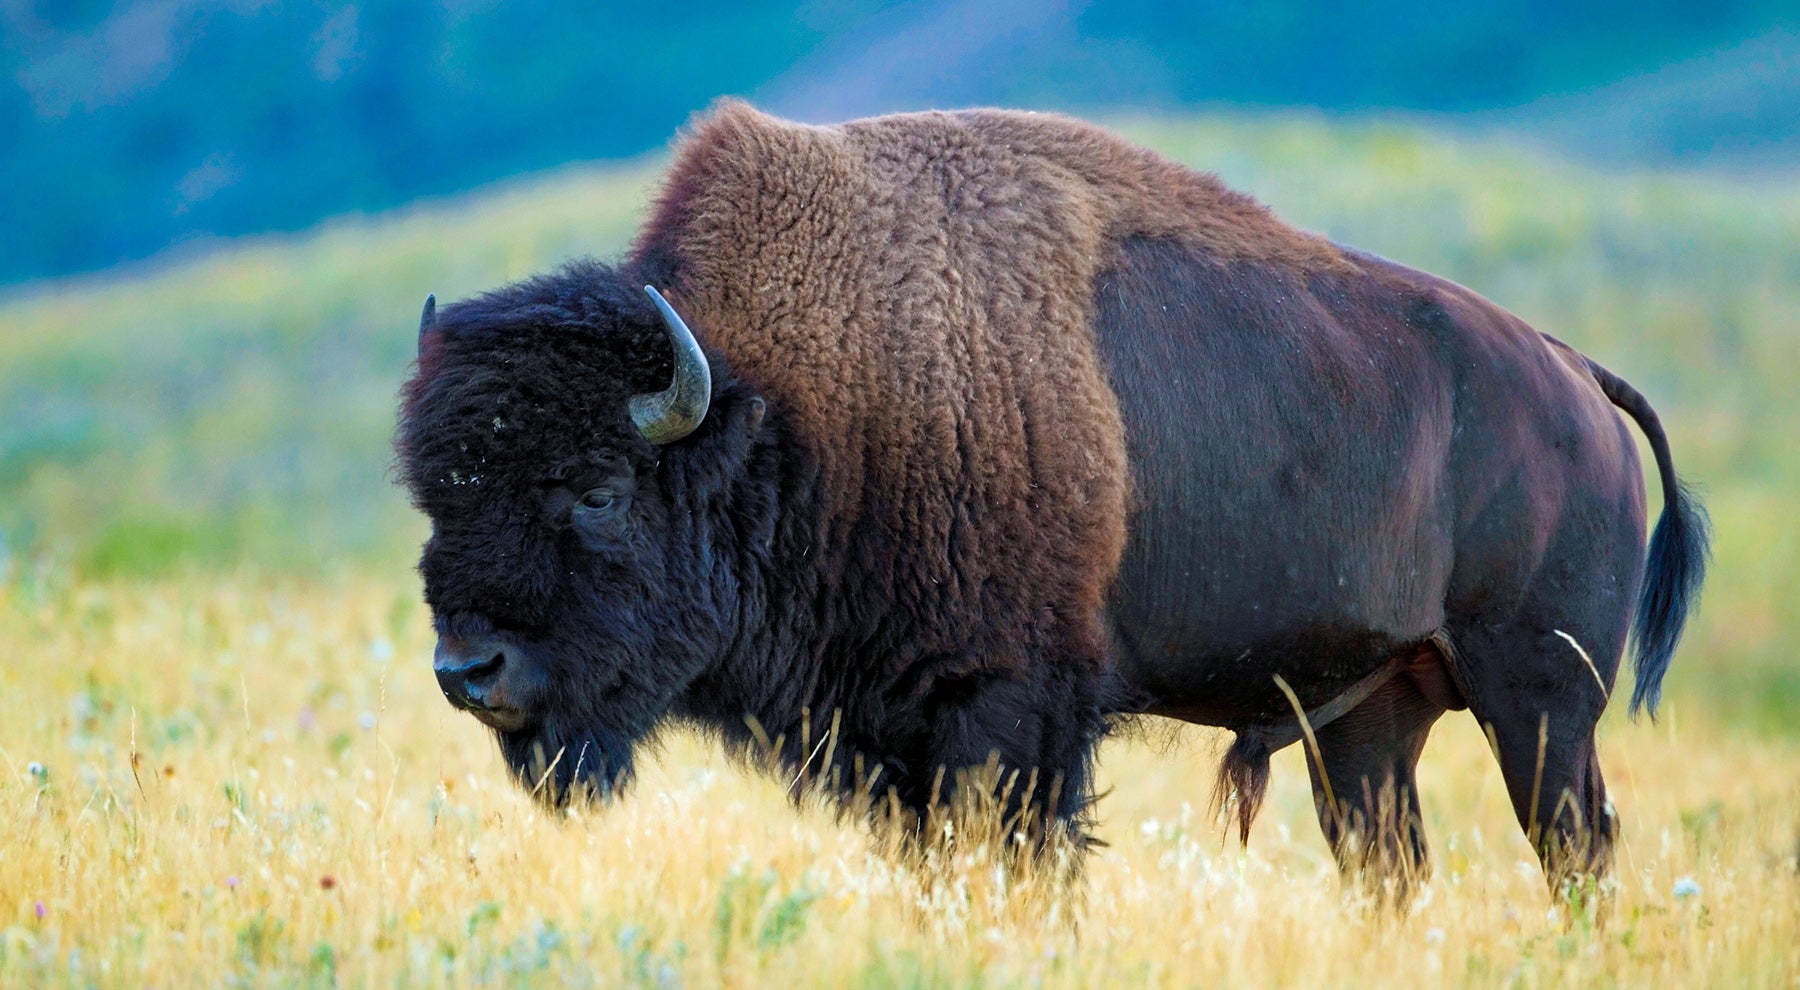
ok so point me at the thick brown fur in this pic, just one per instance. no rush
(915, 290)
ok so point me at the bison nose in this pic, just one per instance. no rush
(466, 668)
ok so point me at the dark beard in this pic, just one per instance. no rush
(558, 765)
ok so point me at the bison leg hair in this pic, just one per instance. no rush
(1028, 744)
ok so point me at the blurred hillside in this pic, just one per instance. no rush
(133, 125)
(1735, 110)
(238, 409)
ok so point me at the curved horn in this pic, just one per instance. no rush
(428, 317)
(667, 416)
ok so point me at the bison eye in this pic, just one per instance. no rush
(598, 513)
(599, 499)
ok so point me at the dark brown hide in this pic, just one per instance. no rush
(1338, 468)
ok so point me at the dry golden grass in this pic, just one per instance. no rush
(253, 780)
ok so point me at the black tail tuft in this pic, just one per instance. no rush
(1678, 550)
(1672, 575)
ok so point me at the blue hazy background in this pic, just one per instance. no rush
(133, 126)
(218, 219)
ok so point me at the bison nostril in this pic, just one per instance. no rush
(462, 668)
(483, 668)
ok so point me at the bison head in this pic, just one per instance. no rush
(579, 470)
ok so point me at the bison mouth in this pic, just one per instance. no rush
(559, 767)
(500, 719)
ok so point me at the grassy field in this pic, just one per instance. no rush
(224, 759)
(248, 779)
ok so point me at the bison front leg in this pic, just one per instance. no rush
(1012, 757)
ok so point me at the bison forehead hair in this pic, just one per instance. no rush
(543, 355)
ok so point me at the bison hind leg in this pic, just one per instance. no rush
(1365, 788)
(1243, 780)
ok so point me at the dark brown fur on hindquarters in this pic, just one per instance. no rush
(1391, 465)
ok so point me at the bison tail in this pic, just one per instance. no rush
(1243, 780)
(1676, 564)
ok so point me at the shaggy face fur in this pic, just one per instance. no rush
(605, 617)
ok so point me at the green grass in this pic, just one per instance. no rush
(236, 408)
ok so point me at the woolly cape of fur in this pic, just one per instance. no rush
(915, 294)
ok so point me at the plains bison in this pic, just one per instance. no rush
(984, 430)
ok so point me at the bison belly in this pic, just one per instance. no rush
(1288, 435)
